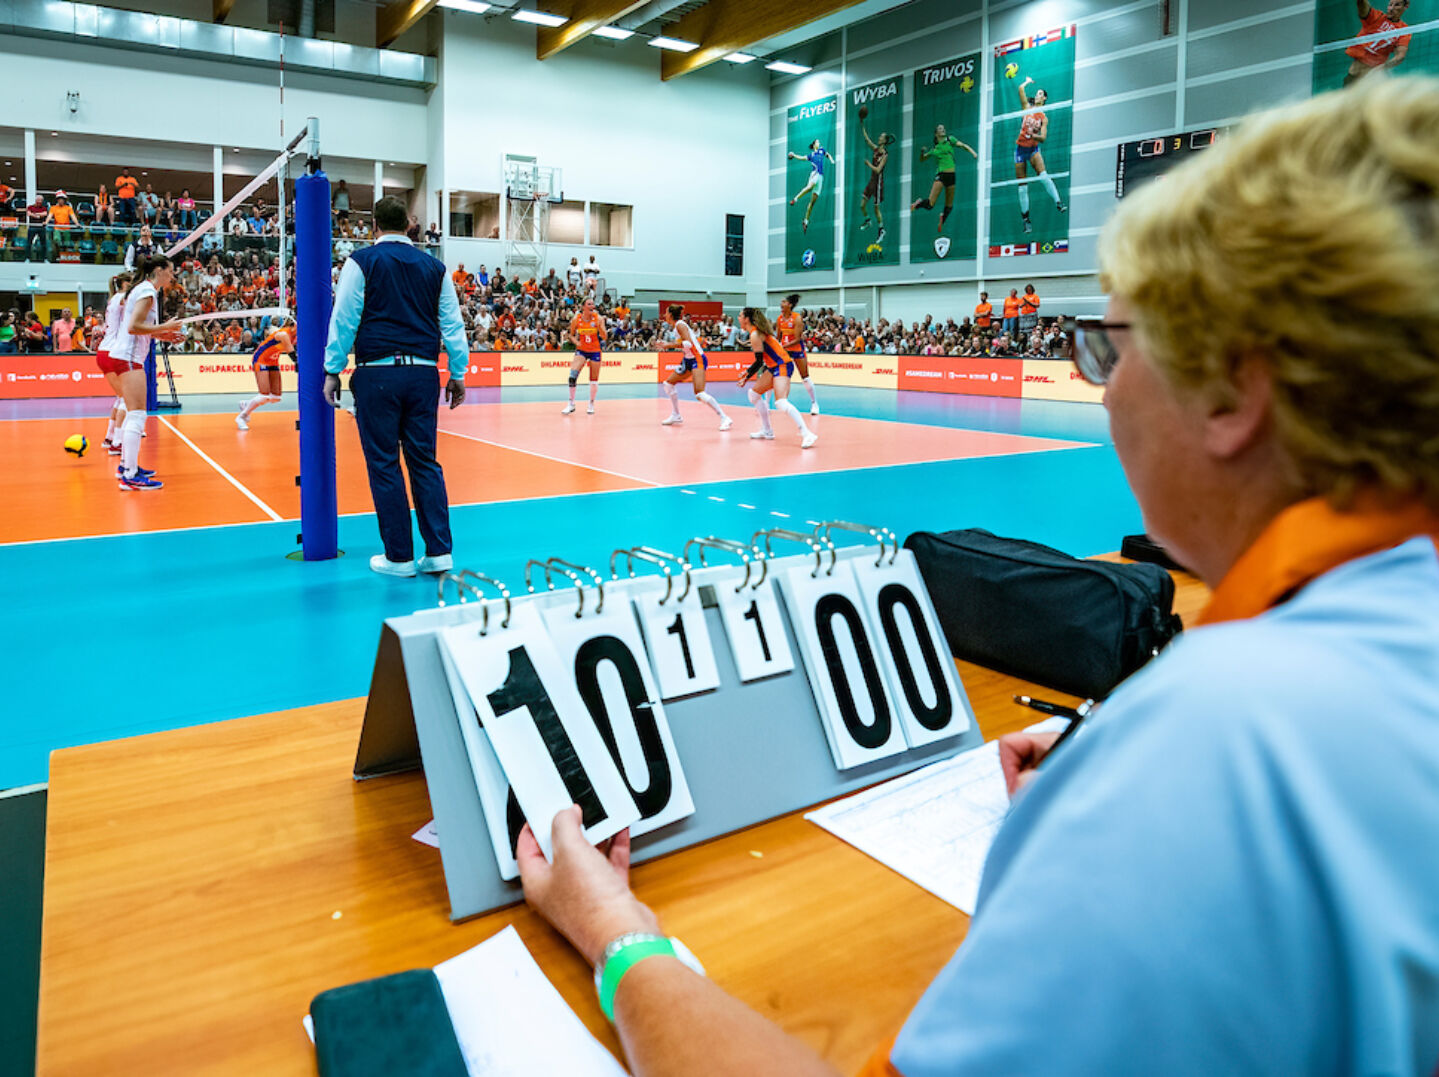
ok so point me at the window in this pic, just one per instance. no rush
(567, 222)
(474, 214)
(733, 245)
(611, 225)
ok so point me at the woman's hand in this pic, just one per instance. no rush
(584, 893)
(1020, 755)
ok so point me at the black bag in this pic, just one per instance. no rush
(1037, 613)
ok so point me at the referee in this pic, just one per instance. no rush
(393, 305)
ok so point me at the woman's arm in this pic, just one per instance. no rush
(967, 148)
(1023, 95)
(1043, 132)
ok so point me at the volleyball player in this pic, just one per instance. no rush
(773, 368)
(814, 186)
(694, 365)
(587, 329)
(1388, 52)
(874, 189)
(139, 323)
(790, 324)
(943, 153)
(1033, 130)
(114, 311)
(278, 342)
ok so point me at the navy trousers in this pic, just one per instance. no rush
(397, 407)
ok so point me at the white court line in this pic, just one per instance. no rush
(544, 456)
(236, 483)
(744, 506)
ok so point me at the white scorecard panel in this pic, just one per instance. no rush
(678, 638)
(757, 638)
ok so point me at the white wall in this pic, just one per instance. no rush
(683, 153)
(142, 95)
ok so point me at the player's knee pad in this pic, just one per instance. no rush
(574, 378)
(272, 398)
(135, 421)
(754, 397)
(704, 397)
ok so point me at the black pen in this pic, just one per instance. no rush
(1076, 715)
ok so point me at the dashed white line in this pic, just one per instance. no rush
(781, 515)
(719, 499)
(744, 506)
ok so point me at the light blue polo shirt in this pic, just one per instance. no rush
(1232, 869)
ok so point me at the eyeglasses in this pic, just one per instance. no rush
(1093, 353)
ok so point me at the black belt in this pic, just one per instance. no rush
(398, 360)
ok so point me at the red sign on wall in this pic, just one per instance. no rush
(483, 371)
(957, 374)
(51, 375)
(696, 310)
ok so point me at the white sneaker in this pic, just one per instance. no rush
(767, 435)
(809, 440)
(590, 410)
(726, 423)
(672, 420)
(443, 563)
(569, 409)
(385, 567)
(814, 408)
(242, 422)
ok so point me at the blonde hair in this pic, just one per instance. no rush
(1309, 238)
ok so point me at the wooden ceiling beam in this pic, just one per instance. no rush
(586, 16)
(220, 10)
(395, 18)
(725, 26)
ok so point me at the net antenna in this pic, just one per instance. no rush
(530, 190)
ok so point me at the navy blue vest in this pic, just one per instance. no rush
(402, 302)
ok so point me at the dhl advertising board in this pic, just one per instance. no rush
(961, 375)
(23, 376)
(1054, 379)
(553, 368)
(860, 371)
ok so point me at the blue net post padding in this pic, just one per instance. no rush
(319, 508)
(152, 392)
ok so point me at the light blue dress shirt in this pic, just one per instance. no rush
(1232, 869)
(350, 304)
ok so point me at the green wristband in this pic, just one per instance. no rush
(622, 960)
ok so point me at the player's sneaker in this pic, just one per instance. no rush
(1061, 207)
(443, 562)
(880, 238)
(590, 410)
(814, 407)
(111, 447)
(767, 435)
(1028, 228)
(143, 472)
(242, 422)
(385, 567)
(672, 420)
(806, 225)
(726, 423)
(569, 409)
(809, 440)
(140, 482)
(864, 225)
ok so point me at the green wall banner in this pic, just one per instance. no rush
(1033, 125)
(810, 176)
(873, 124)
(944, 168)
(1353, 38)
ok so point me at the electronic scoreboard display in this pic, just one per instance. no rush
(1148, 158)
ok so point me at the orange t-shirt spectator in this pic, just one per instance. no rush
(125, 187)
(1011, 306)
(984, 312)
(1029, 302)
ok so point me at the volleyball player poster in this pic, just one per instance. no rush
(873, 124)
(1033, 103)
(810, 173)
(1355, 38)
(944, 161)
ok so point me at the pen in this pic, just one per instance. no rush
(1057, 709)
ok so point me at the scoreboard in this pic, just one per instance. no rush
(1148, 158)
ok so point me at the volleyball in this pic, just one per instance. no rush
(76, 444)
(863, 111)
(1011, 71)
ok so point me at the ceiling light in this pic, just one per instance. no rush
(54, 134)
(674, 44)
(473, 6)
(614, 33)
(539, 18)
(740, 58)
(787, 68)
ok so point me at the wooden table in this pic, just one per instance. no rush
(202, 885)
